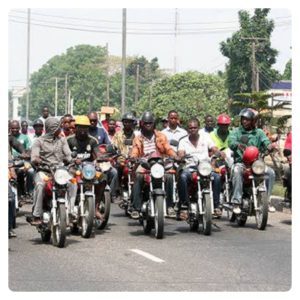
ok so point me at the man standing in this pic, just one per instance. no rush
(45, 114)
(98, 132)
(173, 130)
(209, 124)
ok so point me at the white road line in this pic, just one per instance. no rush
(147, 255)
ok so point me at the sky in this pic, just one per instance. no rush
(151, 33)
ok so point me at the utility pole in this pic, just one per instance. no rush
(123, 60)
(175, 41)
(28, 64)
(107, 76)
(56, 95)
(137, 84)
(255, 72)
(66, 93)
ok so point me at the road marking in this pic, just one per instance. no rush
(147, 255)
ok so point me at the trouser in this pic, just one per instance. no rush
(11, 207)
(237, 181)
(39, 191)
(185, 179)
(138, 186)
(113, 181)
(21, 173)
(287, 180)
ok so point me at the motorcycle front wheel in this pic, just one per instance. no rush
(59, 229)
(159, 217)
(87, 217)
(147, 222)
(207, 216)
(104, 208)
(46, 235)
(261, 214)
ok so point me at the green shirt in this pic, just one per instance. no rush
(218, 141)
(256, 137)
(25, 141)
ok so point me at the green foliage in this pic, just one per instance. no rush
(85, 67)
(239, 51)
(287, 74)
(191, 94)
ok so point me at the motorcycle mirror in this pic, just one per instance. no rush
(244, 139)
(110, 149)
(74, 154)
(174, 143)
(128, 142)
(287, 152)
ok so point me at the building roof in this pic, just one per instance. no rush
(282, 85)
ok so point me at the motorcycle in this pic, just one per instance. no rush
(153, 208)
(86, 176)
(126, 182)
(54, 219)
(200, 203)
(255, 197)
(13, 185)
(287, 179)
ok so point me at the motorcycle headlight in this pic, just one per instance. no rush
(258, 167)
(62, 176)
(88, 172)
(157, 171)
(205, 168)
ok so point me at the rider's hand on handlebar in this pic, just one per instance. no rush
(77, 161)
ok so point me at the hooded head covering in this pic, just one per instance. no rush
(51, 126)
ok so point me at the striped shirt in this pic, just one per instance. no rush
(149, 145)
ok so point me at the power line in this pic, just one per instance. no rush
(135, 22)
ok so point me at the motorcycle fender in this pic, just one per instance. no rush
(61, 200)
(158, 192)
(89, 193)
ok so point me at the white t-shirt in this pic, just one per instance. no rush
(200, 152)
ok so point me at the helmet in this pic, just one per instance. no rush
(247, 113)
(82, 120)
(38, 122)
(250, 155)
(147, 117)
(223, 119)
(128, 116)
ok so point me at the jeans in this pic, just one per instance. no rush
(113, 181)
(237, 181)
(11, 207)
(185, 179)
(138, 186)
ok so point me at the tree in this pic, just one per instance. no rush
(287, 74)
(239, 51)
(190, 93)
(84, 66)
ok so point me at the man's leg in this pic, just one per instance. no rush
(169, 186)
(137, 194)
(216, 187)
(237, 182)
(38, 196)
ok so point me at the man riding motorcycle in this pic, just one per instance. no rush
(287, 176)
(198, 145)
(86, 147)
(247, 135)
(47, 149)
(149, 141)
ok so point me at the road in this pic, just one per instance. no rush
(122, 258)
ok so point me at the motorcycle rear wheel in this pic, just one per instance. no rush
(59, 230)
(104, 208)
(261, 214)
(87, 221)
(207, 216)
(159, 217)
(46, 235)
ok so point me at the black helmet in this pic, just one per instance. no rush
(128, 116)
(147, 117)
(38, 122)
(247, 113)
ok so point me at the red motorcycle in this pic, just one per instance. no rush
(255, 197)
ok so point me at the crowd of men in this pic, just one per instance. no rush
(53, 140)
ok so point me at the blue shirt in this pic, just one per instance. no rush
(100, 134)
